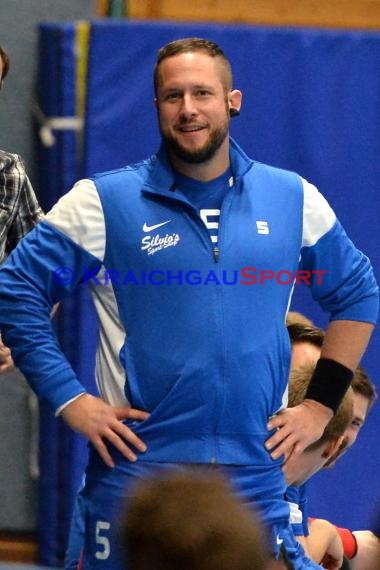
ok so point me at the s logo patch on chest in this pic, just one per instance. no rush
(262, 227)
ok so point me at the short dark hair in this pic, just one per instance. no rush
(191, 519)
(299, 332)
(5, 61)
(362, 384)
(189, 45)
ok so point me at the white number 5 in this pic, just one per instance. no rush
(102, 541)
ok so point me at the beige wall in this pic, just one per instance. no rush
(363, 14)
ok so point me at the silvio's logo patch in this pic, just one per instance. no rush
(154, 243)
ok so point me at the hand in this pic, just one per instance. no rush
(331, 563)
(325, 544)
(368, 554)
(97, 420)
(6, 360)
(297, 428)
(333, 559)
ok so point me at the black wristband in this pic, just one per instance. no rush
(329, 383)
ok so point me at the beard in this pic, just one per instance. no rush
(201, 154)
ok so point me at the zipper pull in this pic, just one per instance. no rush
(216, 253)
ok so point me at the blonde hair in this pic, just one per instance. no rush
(191, 519)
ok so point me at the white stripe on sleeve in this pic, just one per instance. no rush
(79, 215)
(318, 216)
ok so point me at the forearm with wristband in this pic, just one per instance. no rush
(348, 539)
(329, 383)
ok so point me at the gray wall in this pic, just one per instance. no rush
(18, 34)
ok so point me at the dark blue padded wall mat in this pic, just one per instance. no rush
(310, 104)
(62, 452)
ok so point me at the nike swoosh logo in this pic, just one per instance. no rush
(147, 228)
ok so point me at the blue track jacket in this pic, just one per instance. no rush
(186, 332)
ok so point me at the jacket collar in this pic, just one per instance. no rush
(161, 177)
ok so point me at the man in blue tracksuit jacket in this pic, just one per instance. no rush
(191, 257)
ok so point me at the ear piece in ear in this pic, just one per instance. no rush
(234, 112)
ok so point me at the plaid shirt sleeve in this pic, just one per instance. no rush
(19, 208)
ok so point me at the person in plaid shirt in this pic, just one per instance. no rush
(19, 208)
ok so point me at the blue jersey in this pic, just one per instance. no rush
(295, 553)
(298, 502)
(192, 335)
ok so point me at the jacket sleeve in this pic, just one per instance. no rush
(48, 264)
(341, 277)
